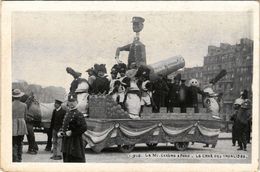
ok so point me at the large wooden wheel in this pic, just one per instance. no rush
(126, 148)
(151, 145)
(181, 146)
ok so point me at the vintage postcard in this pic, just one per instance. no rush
(130, 86)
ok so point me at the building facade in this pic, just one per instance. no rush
(237, 60)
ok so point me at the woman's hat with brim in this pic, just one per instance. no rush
(17, 93)
(131, 73)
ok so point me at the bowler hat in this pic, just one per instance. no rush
(17, 93)
(138, 20)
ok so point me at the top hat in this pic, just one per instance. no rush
(17, 93)
(138, 20)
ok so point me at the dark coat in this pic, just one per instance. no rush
(73, 145)
(161, 90)
(174, 96)
(57, 119)
(100, 85)
(193, 96)
(234, 127)
(183, 94)
(243, 116)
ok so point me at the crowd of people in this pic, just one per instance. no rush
(67, 127)
(135, 87)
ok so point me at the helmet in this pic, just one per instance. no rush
(246, 104)
(238, 101)
(194, 82)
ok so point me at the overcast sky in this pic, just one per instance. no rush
(45, 43)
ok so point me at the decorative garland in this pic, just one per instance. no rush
(112, 130)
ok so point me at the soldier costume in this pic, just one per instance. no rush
(233, 118)
(136, 49)
(243, 117)
(74, 125)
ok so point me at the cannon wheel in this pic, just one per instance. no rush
(151, 145)
(181, 146)
(126, 148)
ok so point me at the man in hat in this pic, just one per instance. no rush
(243, 116)
(244, 95)
(136, 49)
(56, 123)
(74, 125)
(237, 104)
(19, 112)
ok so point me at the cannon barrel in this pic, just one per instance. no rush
(166, 67)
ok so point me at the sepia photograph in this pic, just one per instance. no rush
(136, 86)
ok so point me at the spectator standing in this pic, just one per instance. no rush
(19, 112)
(56, 123)
(243, 117)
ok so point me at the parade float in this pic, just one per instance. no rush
(110, 125)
